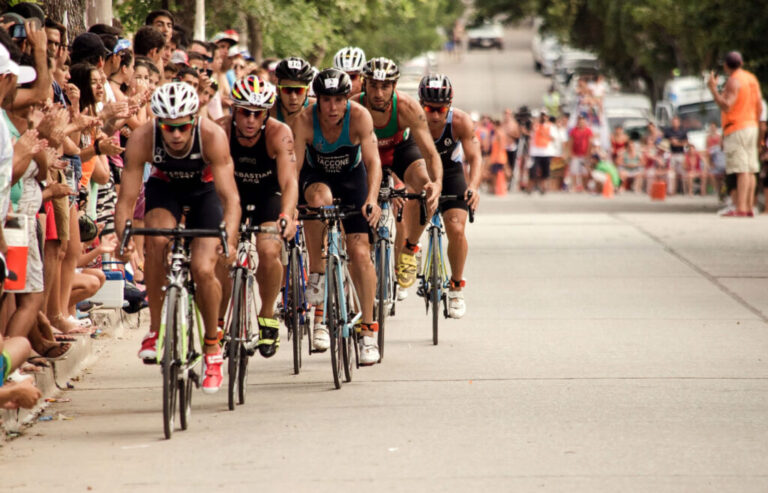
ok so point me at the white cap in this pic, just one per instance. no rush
(7, 66)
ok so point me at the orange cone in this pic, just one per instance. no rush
(501, 183)
(608, 187)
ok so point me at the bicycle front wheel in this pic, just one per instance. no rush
(333, 320)
(170, 369)
(382, 285)
(235, 333)
(292, 309)
(434, 280)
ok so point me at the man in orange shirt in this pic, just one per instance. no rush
(740, 102)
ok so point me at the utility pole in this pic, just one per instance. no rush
(98, 12)
(199, 20)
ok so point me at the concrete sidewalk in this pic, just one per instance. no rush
(602, 350)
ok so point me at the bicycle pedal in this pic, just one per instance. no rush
(195, 378)
(313, 350)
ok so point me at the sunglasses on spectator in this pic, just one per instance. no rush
(245, 112)
(435, 109)
(238, 66)
(122, 44)
(205, 71)
(300, 90)
(171, 127)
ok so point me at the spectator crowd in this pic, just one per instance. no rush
(571, 148)
(69, 103)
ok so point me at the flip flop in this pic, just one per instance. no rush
(38, 362)
(61, 337)
(46, 354)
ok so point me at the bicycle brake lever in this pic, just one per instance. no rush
(471, 210)
(423, 208)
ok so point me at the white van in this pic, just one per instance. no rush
(690, 99)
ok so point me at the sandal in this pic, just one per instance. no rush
(57, 351)
(61, 337)
(38, 362)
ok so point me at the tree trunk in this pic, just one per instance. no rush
(255, 40)
(184, 13)
(75, 12)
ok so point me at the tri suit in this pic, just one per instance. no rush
(256, 178)
(176, 182)
(338, 165)
(451, 155)
(397, 149)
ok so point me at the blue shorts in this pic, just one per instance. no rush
(5, 366)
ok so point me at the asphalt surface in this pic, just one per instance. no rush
(609, 345)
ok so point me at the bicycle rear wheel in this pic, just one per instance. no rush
(169, 367)
(292, 309)
(382, 289)
(235, 333)
(434, 278)
(333, 321)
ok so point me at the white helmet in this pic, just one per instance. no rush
(349, 59)
(174, 100)
(253, 91)
(315, 71)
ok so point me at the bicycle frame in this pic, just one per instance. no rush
(304, 308)
(180, 277)
(335, 250)
(247, 259)
(435, 254)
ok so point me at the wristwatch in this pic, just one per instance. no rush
(43, 183)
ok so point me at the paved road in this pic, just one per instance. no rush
(488, 81)
(608, 346)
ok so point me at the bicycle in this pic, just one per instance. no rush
(341, 305)
(434, 278)
(242, 312)
(295, 309)
(178, 350)
(384, 260)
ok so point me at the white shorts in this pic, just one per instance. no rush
(578, 165)
(740, 149)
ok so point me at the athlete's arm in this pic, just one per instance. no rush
(411, 115)
(137, 152)
(281, 144)
(216, 149)
(361, 128)
(463, 128)
(302, 134)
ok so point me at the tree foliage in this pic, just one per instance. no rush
(315, 29)
(650, 39)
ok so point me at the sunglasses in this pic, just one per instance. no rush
(300, 90)
(238, 67)
(181, 127)
(245, 112)
(435, 109)
(353, 76)
(206, 71)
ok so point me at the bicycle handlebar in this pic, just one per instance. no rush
(177, 232)
(326, 212)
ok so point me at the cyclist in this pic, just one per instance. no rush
(294, 75)
(191, 167)
(403, 137)
(351, 60)
(454, 135)
(340, 144)
(265, 173)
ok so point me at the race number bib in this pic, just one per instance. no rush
(379, 74)
(331, 83)
(294, 64)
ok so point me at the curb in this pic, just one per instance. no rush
(84, 352)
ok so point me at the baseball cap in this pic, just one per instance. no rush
(88, 44)
(734, 59)
(230, 36)
(7, 66)
(180, 57)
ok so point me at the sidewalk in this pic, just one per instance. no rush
(64, 374)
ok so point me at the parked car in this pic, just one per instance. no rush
(574, 63)
(487, 35)
(631, 111)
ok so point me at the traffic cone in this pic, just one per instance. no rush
(608, 187)
(500, 187)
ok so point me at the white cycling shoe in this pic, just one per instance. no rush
(315, 289)
(321, 340)
(369, 350)
(401, 293)
(456, 306)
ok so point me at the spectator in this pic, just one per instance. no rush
(692, 169)
(580, 138)
(619, 141)
(542, 151)
(163, 21)
(149, 42)
(631, 169)
(740, 102)
(678, 139)
(716, 159)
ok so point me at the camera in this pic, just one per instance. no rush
(18, 31)
(524, 117)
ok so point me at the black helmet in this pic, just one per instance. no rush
(88, 229)
(435, 88)
(294, 68)
(382, 69)
(332, 82)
